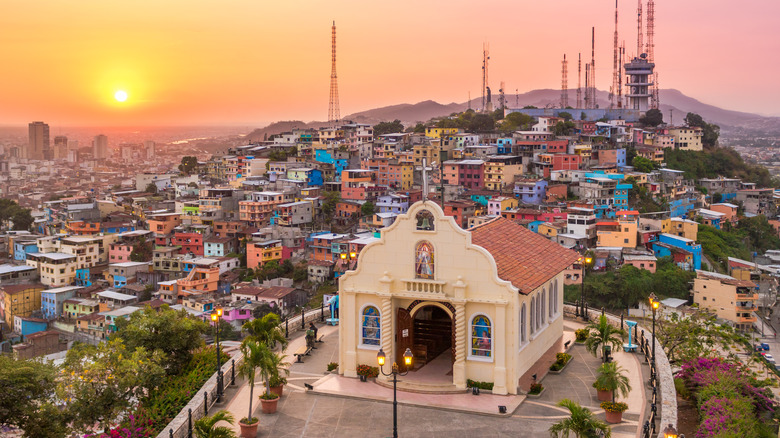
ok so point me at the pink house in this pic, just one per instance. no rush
(240, 313)
(641, 261)
(119, 252)
(730, 211)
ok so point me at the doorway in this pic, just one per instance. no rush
(433, 343)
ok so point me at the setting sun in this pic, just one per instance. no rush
(120, 95)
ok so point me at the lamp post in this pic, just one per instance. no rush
(671, 432)
(585, 261)
(215, 316)
(380, 358)
(654, 303)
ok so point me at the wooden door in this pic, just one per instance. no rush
(404, 337)
(452, 347)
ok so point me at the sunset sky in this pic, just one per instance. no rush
(251, 62)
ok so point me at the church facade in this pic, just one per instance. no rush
(486, 302)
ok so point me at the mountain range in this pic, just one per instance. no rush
(674, 105)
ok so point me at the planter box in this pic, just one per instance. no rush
(604, 395)
(564, 367)
(536, 395)
(249, 430)
(269, 406)
(614, 417)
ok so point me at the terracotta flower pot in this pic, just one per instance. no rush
(605, 395)
(269, 406)
(278, 390)
(249, 430)
(614, 417)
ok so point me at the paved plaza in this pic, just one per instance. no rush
(305, 414)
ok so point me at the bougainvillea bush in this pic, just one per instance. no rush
(729, 402)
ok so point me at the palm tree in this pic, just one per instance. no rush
(612, 378)
(256, 354)
(276, 366)
(266, 330)
(602, 333)
(207, 427)
(581, 423)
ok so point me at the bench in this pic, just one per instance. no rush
(303, 350)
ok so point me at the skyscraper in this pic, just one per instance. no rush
(38, 146)
(60, 147)
(100, 147)
(149, 146)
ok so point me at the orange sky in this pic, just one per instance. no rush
(251, 62)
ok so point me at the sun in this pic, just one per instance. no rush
(120, 95)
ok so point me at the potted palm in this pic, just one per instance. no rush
(614, 411)
(271, 368)
(277, 380)
(611, 380)
(603, 334)
(255, 355)
(206, 427)
(266, 330)
(581, 423)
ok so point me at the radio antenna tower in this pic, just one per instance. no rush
(485, 59)
(654, 103)
(564, 82)
(579, 80)
(333, 105)
(639, 45)
(501, 97)
(620, 75)
(587, 85)
(517, 97)
(615, 61)
(593, 68)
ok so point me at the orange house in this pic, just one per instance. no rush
(82, 228)
(201, 279)
(163, 224)
(260, 253)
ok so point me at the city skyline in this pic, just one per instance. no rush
(248, 63)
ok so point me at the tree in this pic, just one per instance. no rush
(653, 117)
(255, 355)
(25, 401)
(612, 377)
(481, 123)
(263, 309)
(142, 251)
(516, 121)
(564, 128)
(146, 294)
(206, 427)
(188, 164)
(419, 128)
(100, 383)
(566, 116)
(172, 333)
(602, 333)
(529, 107)
(368, 208)
(642, 164)
(329, 204)
(383, 128)
(11, 211)
(581, 423)
(710, 132)
(693, 336)
(266, 330)
(227, 332)
(151, 188)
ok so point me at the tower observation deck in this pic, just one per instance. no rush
(638, 73)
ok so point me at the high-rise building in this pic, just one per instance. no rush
(60, 147)
(38, 147)
(100, 147)
(149, 146)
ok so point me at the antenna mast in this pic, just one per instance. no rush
(333, 105)
(579, 80)
(615, 61)
(620, 75)
(593, 68)
(485, 58)
(501, 97)
(564, 82)
(654, 102)
(639, 29)
(587, 85)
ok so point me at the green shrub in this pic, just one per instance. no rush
(536, 388)
(481, 385)
(332, 366)
(681, 389)
(581, 335)
(561, 359)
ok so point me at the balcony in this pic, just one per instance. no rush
(746, 307)
(424, 286)
(750, 296)
(746, 319)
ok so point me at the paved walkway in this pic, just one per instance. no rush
(303, 414)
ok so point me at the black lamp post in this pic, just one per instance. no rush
(215, 316)
(654, 303)
(586, 261)
(380, 358)
(671, 432)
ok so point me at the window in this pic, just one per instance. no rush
(424, 220)
(550, 304)
(370, 328)
(555, 287)
(541, 306)
(533, 315)
(481, 337)
(523, 337)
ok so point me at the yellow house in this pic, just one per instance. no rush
(680, 227)
(550, 230)
(436, 132)
(484, 304)
(688, 139)
(55, 269)
(618, 233)
(730, 299)
(20, 300)
(500, 171)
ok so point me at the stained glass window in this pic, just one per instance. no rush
(481, 336)
(423, 261)
(522, 323)
(424, 220)
(370, 326)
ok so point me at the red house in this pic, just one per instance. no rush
(189, 242)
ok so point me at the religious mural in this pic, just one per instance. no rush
(370, 326)
(481, 336)
(423, 261)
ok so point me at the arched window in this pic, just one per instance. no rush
(533, 315)
(424, 220)
(555, 285)
(481, 337)
(551, 303)
(523, 336)
(538, 310)
(370, 326)
(541, 307)
(424, 261)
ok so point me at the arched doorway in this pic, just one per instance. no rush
(432, 344)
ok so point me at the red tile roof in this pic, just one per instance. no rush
(524, 258)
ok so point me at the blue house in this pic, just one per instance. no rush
(53, 299)
(24, 247)
(685, 252)
(680, 207)
(504, 146)
(393, 203)
(83, 277)
(482, 198)
(27, 326)
(116, 228)
(534, 226)
(530, 191)
(327, 156)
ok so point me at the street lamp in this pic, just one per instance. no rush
(215, 315)
(654, 303)
(380, 358)
(585, 261)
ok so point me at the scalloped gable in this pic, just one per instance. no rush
(524, 258)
